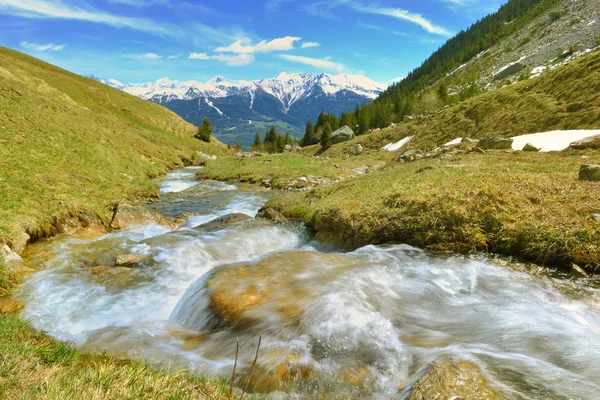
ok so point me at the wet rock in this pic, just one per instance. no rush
(8, 305)
(222, 222)
(411, 155)
(131, 216)
(270, 290)
(114, 276)
(530, 147)
(578, 272)
(451, 380)
(589, 172)
(356, 149)
(495, 144)
(592, 142)
(266, 182)
(343, 134)
(128, 260)
(270, 214)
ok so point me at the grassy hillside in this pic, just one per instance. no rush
(567, 97)
(72, 147)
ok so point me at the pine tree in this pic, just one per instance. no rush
(280, 144)
(204, 130)
(326, 136)
(309, 133)
(257, 141)
(271, 135)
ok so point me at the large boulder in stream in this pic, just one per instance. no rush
(223, 222)
(448, 380)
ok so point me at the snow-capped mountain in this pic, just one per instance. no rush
(238, 109)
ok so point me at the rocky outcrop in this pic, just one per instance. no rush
(222, 222)
(356, 149)
(128, 260)
(495, 144)
(592, 142)
(451, 380)
(343, 134)
(205, 157)
(589, 172)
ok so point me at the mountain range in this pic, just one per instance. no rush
(239, 109)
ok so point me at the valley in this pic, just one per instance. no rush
(437, 238)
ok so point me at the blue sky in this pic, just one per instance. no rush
(143, 40)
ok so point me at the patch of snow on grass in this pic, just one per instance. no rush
(552, 141)
(453, 142)
(398, 144)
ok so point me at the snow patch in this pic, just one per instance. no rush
(395, 146)
(453, 142)
(210, 104)
(553, 140)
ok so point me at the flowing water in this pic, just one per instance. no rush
(362, 324)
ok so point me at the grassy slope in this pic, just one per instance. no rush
(35, 366)
(536, 105)
(528, 205)
(70, 145)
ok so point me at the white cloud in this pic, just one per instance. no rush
(398, 79)
(173, 56)
(243, 47)
(199, 56)
(324, 63)
(323, 9)
(42, 47)
(151, 56)
(310, 44)
(62, 9)
(236, 60)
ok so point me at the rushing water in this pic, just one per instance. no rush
(359, 324)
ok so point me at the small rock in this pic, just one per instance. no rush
(128, 260)
(470, 141)
(288, 147)
(407, 119)
(356, 149)
(530, 147)
(303, 179)
(270, 214)
(10, 257)
(589, 172)
(8, 305)
(495, 144)
(411, 155)
(596, 217)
